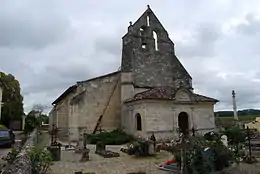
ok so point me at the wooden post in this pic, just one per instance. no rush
(193, 131)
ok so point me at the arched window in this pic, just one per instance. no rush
(155, 41)
(138, 122)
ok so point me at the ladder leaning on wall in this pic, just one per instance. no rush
(98, 127)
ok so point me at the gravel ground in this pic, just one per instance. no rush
(4, 151)
(120, 165)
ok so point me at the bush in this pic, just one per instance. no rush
(31, 123)
(235, 135)
(2, 127)
(115, 137)
(211, 136)
(40, 160)
(207, 154)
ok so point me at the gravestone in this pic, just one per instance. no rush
(224, 140)
(100, 147)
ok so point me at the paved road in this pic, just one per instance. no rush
(4, 151)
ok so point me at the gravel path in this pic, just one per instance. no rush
(121, 165)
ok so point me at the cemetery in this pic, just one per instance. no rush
(189, 154)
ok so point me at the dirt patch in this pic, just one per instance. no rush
(119, 165)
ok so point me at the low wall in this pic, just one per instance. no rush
(21, 164)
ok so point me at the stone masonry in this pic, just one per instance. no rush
(152, 93)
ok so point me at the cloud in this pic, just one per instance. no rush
(50, 45)
(35, 27)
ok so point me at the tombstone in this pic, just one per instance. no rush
(224, 140)
(151, 149)
(85, 151)
(100, 146)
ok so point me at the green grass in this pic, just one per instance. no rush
(241, 118)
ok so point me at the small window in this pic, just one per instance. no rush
(142, 31)
(155, 40)
(144, 45)
(138, 122)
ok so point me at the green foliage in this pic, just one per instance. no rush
(40, 160)
(207, 154)
(235, 135)
(212, 136)
(11, 156)
(43, 118)
(115, 137)
(12, 99)
(139, 148)
(30, 124)
(2, 127)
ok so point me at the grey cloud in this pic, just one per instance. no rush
(250, 28)
(56, 77)
(53, 44)
(33, 27)
(211, 84)
(201, 43)
(109, 44)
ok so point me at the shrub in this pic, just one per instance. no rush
(40, 160)
(235, 135)
(11, 156)
(207, 154)
(115, 137)
(211, 136)
(2, 127)
(31, 123)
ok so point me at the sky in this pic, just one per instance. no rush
(49, 45)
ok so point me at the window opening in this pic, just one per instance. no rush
(138, 122)
(155, 40)
(144, 45)
(148, 20)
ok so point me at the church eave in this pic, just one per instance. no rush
(99, 77)
(65, 93)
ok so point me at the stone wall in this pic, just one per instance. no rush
(161, 118)
(148, 52)
(22, 164)
(89, 104)
(59, 116)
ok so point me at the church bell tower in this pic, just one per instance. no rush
(148, 54)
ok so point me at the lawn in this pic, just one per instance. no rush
(245, 118)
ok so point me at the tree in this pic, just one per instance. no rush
(12, 99)
(40, 108)
(31, 123)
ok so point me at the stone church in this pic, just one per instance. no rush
(151, 93)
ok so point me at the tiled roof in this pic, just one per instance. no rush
(166, 93)
(204, 98)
